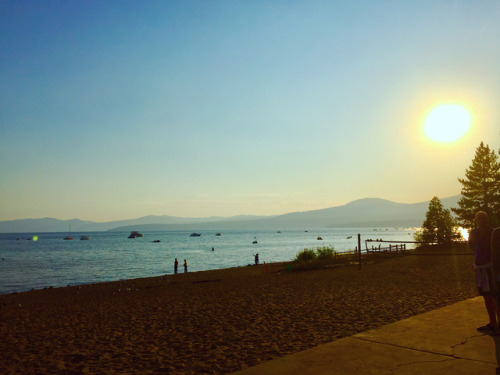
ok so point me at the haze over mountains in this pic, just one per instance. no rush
(367, 212)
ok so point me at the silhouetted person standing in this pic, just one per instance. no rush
(185, 266)
(495, 270)
(480, 244)
(176, 265)
(256, 258)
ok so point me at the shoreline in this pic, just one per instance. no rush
(58, 263)
(51, 287)
(218, 321)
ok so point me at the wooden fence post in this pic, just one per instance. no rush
(359, 247)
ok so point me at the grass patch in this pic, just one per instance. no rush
(326, 256)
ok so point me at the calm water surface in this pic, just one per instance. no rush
(50, 261)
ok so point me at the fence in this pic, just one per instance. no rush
(379, 249)
(398, 247)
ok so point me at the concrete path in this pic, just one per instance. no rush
(443, 341)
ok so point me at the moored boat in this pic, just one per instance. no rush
(135, 234)
(68, 237)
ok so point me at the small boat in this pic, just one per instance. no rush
(217, 234)
(194, 234)
(319, 238)
(84, 238)
(135, 234)
(278, 231)
(156, 241)
(68, 237)
(255, 241)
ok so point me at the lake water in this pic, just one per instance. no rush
(50, 261)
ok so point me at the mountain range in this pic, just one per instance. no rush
(367, 212)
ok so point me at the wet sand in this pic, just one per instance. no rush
(219, 321)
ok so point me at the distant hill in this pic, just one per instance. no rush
(55, 225)
(367, 212)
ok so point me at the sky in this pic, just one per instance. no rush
(120, 109)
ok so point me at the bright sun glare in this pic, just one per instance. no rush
(447, 123)
(464, 232)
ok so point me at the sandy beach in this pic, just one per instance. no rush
(220, 321)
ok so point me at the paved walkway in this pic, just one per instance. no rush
(443, 341)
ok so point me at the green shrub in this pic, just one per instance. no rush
(321, 253)
(325, 252)
(306, 255)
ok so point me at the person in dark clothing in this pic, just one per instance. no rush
(480, 244)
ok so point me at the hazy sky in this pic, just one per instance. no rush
(120, 109)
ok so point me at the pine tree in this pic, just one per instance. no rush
(438, 226)
(480, 188)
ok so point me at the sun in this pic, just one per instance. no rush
(447, 123)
